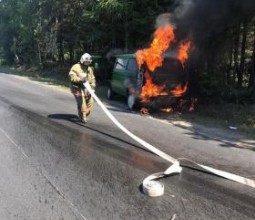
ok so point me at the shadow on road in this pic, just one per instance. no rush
(74, 119)
(223, 143)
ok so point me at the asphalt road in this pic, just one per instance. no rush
(53, 167)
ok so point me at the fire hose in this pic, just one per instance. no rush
(155, 188)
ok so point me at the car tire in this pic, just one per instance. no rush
(109, 92)
(131, 101)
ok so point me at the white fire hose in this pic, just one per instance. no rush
(150, 186)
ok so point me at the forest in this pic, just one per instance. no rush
(51, 33)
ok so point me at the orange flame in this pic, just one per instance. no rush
(150, 89)
(152, 56)
(144, 111)
(179, 90)
(183, 51)
(167, 110)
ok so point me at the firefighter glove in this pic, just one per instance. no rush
(83, 77)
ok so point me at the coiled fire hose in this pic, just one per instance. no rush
(155, 188)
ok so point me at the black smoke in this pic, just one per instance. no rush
(213, 26)
(204, 19)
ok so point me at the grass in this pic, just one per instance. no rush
(58, 78)
(227, 115)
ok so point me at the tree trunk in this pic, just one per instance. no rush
(211, 58)
(16, 57)
(113, 30)
(39, 54)
(228, 71)
(240, 73)
(252, 71)
(126, 27)
(71, 52)
(60, 50)
(236, 51)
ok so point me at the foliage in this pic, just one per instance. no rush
(38, 32)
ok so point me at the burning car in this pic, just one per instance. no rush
(153, 76)
(160, 88)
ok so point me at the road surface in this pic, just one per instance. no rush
(53, 167)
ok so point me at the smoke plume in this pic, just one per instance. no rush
(207, 18)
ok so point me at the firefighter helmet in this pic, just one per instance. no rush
(86, 57)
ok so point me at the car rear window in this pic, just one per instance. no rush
(170, 73)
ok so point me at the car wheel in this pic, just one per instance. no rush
(109, 93)
(131, 101)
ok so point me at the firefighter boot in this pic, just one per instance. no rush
(83, 117)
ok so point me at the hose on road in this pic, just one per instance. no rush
(155, 188)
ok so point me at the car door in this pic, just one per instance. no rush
(119, 76)
(133, 79)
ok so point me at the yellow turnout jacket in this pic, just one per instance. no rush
(75, 75)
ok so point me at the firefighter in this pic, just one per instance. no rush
(79, 74)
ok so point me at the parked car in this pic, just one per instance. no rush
(127, 80)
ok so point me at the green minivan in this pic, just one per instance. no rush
(127, 80)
